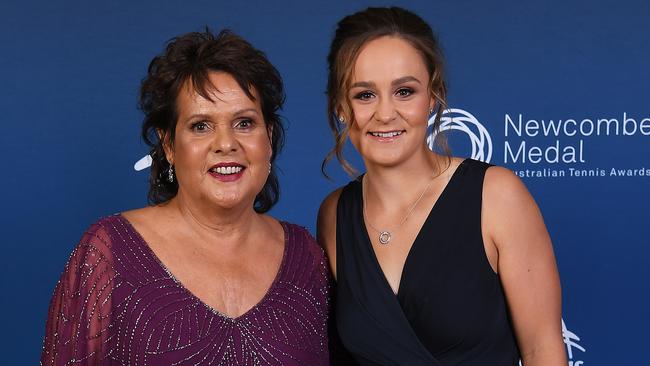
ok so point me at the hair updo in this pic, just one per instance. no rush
(352, 33)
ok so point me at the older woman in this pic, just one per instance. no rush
(202, 276)
(438, 260)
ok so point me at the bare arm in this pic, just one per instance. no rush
(526, 264)
(326, 227)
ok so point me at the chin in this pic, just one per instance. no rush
(383, 162)
(226, 200)
(385, 158)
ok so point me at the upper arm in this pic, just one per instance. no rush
(526, 263)
(326, 227)
(78, 317)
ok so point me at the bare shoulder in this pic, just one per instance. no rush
(502, 187)
(503, 191)
(509, 208)
(513, 223)
(326, 226)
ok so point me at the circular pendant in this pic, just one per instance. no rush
(384, 237)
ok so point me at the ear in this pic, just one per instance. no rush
(340, 116)
(167, 145)
(269, 133)
(432, 102)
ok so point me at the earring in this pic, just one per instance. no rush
(170, 174)
(342, 120)
(431, 110)
(269, 167)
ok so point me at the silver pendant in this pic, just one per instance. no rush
(384, 237)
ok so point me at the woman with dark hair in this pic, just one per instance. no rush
(438, 260)
(202, 276)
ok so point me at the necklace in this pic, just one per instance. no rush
(385, 235)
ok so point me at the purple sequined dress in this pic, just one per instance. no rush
(116, 304)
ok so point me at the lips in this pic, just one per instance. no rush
(385, 136)
(227, 172)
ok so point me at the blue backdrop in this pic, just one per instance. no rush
(556, 90)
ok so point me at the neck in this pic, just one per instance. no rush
(396, 187)
(215, 224)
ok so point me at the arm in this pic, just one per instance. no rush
(326, 234)
(326, 227)
(79, 313)
(513, 224)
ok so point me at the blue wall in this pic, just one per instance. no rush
(69, 74)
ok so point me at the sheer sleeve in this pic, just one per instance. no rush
(77, 329)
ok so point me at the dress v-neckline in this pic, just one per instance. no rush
(189, 293)
(368, 242)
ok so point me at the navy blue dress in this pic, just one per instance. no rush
(450, 307)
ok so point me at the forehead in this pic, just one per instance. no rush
(222, 92)
(388, 58)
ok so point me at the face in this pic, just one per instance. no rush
(390, 100)
(222, 148)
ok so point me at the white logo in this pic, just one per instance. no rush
(458, 119)
(571, 342)
(143, 163)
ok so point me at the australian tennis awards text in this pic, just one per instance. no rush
(568, 145)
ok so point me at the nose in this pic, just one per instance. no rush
(385, 111)
(224, 141)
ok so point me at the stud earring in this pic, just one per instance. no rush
(269, 167)
(342, 120)
(170, 174)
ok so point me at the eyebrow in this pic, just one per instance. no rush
(197, 115)
(236, 114)
(405, 79)
(370, 84)
(243, 111)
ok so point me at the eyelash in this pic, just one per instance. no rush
(246, 120)
(365, 95)
(407, 90)
(202, 124)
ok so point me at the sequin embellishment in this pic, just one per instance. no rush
(116, 304)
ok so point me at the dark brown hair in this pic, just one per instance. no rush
(352, 33)
(190, 58)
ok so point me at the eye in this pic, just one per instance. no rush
(244, 124)
(404, 92)
(200, 126)
(364, 95)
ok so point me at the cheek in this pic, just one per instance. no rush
(416, 113)
(354, 135)
(189, 152)
(362, 112)
(190, 158)
(257, 149)
(362, 115)
(416, 117)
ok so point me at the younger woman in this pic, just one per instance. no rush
(438, 260)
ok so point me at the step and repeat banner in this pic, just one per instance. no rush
(556, 91)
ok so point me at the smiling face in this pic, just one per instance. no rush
(390, 99)
(221, 150)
